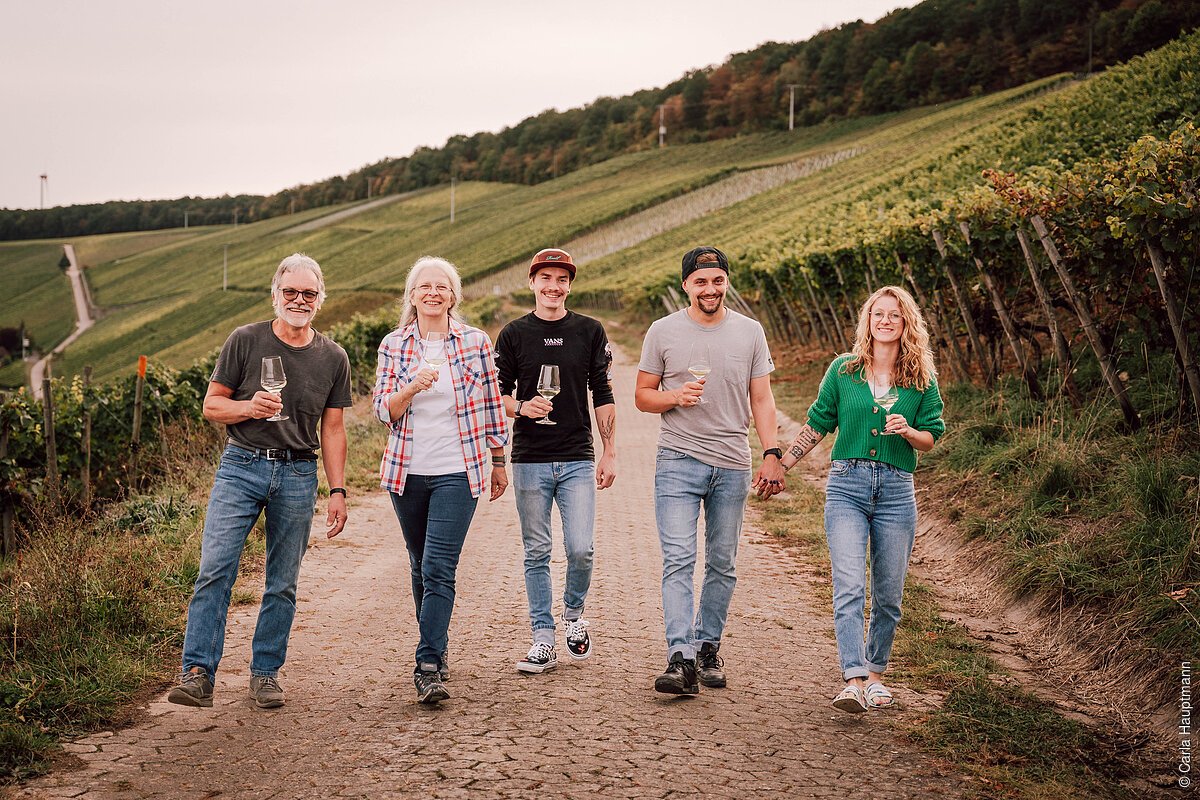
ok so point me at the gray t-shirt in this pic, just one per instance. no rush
(318, 377)
(715, 431)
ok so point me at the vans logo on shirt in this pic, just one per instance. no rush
(553, 342)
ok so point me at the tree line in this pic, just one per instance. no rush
(936, 51)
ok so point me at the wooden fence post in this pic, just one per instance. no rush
(48, 436)
(1107, 368)
(8, 539)
(964, 309)
(86, 445)
(1010, 330)
(1159, 262)
(1061, 350)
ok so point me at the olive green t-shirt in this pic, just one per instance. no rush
(318, 377)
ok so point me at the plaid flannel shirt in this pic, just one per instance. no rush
(481, 420)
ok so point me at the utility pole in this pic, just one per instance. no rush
(792, 106)
(452, 182)
(225, 272)
(662, 126)
(44, 188)
(185, 219)
(292, 206)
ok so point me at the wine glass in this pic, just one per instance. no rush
(273, 380)
(886, 401)
(548, 387)
(698, 362)
(433, 350)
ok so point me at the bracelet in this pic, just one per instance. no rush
(773, 451)
(338, 490)
(498, 461)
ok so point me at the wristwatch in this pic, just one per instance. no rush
(517, 413)
(774, 451)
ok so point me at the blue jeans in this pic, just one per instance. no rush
(870, 509)
(537, 486)
(434, 513)
(245, 483)
(681, 485)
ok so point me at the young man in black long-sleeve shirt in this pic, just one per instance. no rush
(552, 451)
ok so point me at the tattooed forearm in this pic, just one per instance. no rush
(804, 442)
(606, 424)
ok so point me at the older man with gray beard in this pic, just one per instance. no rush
(269, 462)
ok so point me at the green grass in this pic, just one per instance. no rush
(36, 292)
(93, 610)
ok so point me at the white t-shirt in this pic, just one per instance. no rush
(437, 444)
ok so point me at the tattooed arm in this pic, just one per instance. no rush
(804, 442)
(606, 424)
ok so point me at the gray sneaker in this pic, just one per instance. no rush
(266, 691)
(194, 689)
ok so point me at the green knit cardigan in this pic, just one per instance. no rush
(845, 402)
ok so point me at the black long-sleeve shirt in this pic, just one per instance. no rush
(579, 346)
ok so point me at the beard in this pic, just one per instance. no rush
(296, 320)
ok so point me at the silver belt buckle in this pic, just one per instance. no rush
(277, 454)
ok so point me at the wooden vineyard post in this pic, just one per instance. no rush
(840, 330)
(1061, 350)
(86, 445)
(934, 323)
(135, 437)
(8, 539)
(816, 307)
(1107, 368)
(1010, 330)
(1159, 262)
(789, 311)
(48, 436)
(964, 308)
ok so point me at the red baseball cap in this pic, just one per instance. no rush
(552, 257)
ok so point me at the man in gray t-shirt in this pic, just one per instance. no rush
(275, 426)
(706, 370)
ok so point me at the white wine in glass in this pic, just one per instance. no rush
(698, 363)
(433, 350)
(273, 380)
(886, 401)
(548, 387)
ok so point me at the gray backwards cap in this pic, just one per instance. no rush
(703, 258)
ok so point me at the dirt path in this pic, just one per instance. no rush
(351, 727)
(83, 320)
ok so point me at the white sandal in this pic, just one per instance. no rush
(879, 696)
(850, 699)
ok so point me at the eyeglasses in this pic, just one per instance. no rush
(894, 316)
(428, 288)
(309, 295)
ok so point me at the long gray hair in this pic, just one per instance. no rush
(408, 311)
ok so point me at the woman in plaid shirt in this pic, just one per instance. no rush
(442, 404)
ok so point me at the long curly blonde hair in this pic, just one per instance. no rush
(914, 366)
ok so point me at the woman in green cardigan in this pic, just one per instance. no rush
(870, 508)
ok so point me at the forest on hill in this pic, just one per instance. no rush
(936, 51)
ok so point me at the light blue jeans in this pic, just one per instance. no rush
(870, 510)
(681, 485)
(572, 484)
(245, 483)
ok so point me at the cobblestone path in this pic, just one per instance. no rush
(351, 727)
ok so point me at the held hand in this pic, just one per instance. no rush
(425, 380)
(606, 471)
(337, 516)
(689, 394)
(263, 405)
(896, 423)
(536, 408)
(770, 478)
(499, 481)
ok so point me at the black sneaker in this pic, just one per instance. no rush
(430, 688)
(680, 677)
(709, 666)
(579, 644)
(194, 689)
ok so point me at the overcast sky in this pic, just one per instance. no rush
(134, 99)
